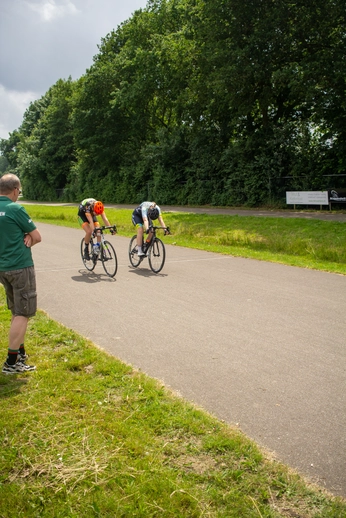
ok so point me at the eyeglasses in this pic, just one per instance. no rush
(19, 190)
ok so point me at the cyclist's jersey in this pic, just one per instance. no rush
(86, 206)
(142, 209)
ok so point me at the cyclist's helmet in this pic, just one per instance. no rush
(153, 212)
(98, 207)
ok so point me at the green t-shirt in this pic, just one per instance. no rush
(14, 223)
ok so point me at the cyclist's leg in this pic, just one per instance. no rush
(151, 233)
(87, 229)
(140, 233)
(97, 224)
(83, 221)
(137, 220)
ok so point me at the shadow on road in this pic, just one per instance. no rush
(91, 277)
(146, 273)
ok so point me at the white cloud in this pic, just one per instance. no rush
(50, 9)
(13, 105)
(49, 40)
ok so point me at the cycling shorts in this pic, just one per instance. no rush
(137, 219)
(20, 287)
(83, 219)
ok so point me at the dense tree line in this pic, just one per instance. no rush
(196, 102)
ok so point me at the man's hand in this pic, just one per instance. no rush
(167, 231)
(27, 240)
(112, 231)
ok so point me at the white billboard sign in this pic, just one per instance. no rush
(307, 198)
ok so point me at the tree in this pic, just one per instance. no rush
(4, 164)
(197, 102)
(46, 151)
(9, 149)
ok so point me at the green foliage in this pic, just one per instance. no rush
(4, 164)
(9, 149)
(46, 151)
(196, 102)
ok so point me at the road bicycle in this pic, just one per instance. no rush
(154, 251)
(104, 253)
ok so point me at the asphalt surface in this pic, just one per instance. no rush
(257, 344)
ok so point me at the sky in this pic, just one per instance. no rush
(42, 41)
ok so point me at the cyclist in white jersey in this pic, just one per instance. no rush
(143, 216)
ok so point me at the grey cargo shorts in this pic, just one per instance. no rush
(20, 287)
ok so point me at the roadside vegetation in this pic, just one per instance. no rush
(307, 243)
(88, 436)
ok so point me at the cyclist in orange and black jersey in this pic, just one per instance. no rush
(88, 211)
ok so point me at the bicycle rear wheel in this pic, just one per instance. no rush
(89, 263)
(133, 252)
(109, 259)
(157, 255)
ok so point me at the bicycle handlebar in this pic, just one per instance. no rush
(153, 227)
(105, 227)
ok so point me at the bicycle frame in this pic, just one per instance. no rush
(155, 251)
(153, 236)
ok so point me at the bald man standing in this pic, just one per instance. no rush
(18, 234)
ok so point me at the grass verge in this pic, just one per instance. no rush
(299, 242)
(88, 436)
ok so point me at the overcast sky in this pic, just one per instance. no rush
(42, 41)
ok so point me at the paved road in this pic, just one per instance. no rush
(255, 343)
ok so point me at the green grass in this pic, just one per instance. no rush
(306, 243)
(88, 436)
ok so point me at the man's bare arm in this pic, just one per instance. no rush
(32, 238)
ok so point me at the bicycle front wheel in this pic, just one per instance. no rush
(88, 260)
(133, 252)
(109, 259)
(157, 255)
